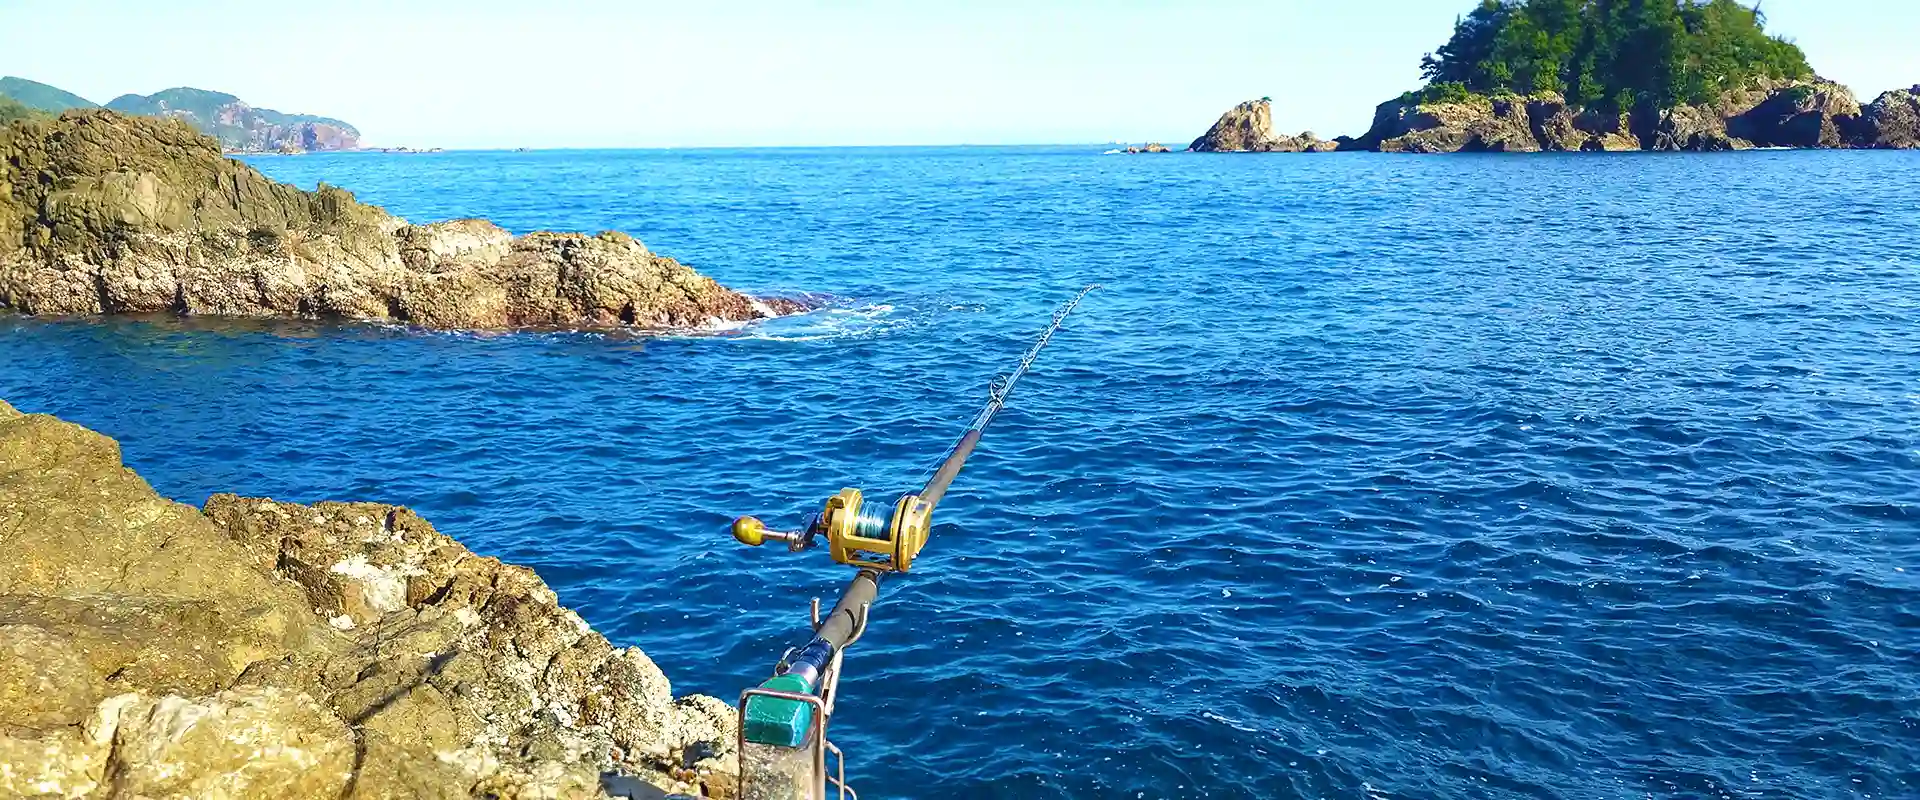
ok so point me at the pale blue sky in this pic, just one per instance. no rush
(593, 73)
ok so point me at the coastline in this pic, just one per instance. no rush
(1790, 115)
(105, 213)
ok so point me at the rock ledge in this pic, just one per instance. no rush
(255, 648)
(104, 213)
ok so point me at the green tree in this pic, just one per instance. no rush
(1466, 56)
(1619, 52)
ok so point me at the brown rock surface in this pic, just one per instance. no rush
(1804, 115)
(1477, 124)
(1890, 122)
(106, 213)
(266, 649)
(1766, 114)
(1562, 128)
(1813, 113)
(1700, 129)
(1248, 128)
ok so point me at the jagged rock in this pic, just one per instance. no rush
(1245, 127)
(1478, 124)
(239, 743)
(106, 213)
(1806, 115)
(490, 655)
(1799, 113)
(1795, 113)
(1248, 128)
(1890, 122)
(140, 587)
(1558, 127)
(1691, 128)
(266, 649)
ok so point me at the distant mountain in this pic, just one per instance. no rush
(34, 94)
(239, 126)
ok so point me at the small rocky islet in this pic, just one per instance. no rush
(1575, 75)
(1808, 114)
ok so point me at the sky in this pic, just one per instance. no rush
(600, 73)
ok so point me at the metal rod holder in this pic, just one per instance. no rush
(820, 712)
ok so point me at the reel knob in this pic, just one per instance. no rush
(750, 531)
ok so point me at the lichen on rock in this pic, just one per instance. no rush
(265, 649)
(102, 213)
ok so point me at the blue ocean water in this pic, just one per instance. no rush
(1365, 476)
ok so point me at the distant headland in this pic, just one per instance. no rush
(236, 125)
(1585, 75)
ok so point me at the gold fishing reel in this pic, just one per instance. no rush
(858, 533)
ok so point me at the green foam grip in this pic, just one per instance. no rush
(777, 720)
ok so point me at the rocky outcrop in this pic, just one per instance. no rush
(103, 213)
(1479, 124)
(1816, 114)
(1686, 128)
(1248, 128)
(1768, 114)
(1559, 127)
(263, 649)
(1805, 114)
(1890, 122)
(1476, 124)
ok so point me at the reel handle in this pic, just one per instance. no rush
(864, 534)
(751, 532)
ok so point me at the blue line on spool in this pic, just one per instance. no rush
(874, 521)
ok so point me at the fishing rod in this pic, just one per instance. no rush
(783, 744)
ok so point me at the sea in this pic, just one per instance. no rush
(1363, 476)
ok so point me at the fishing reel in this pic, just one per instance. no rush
(859, 533)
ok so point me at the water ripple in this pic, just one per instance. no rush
(1366, 477)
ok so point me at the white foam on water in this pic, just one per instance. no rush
(1230, 722)
(718, 325)
(828, 322)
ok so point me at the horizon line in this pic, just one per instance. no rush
(576, 148)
